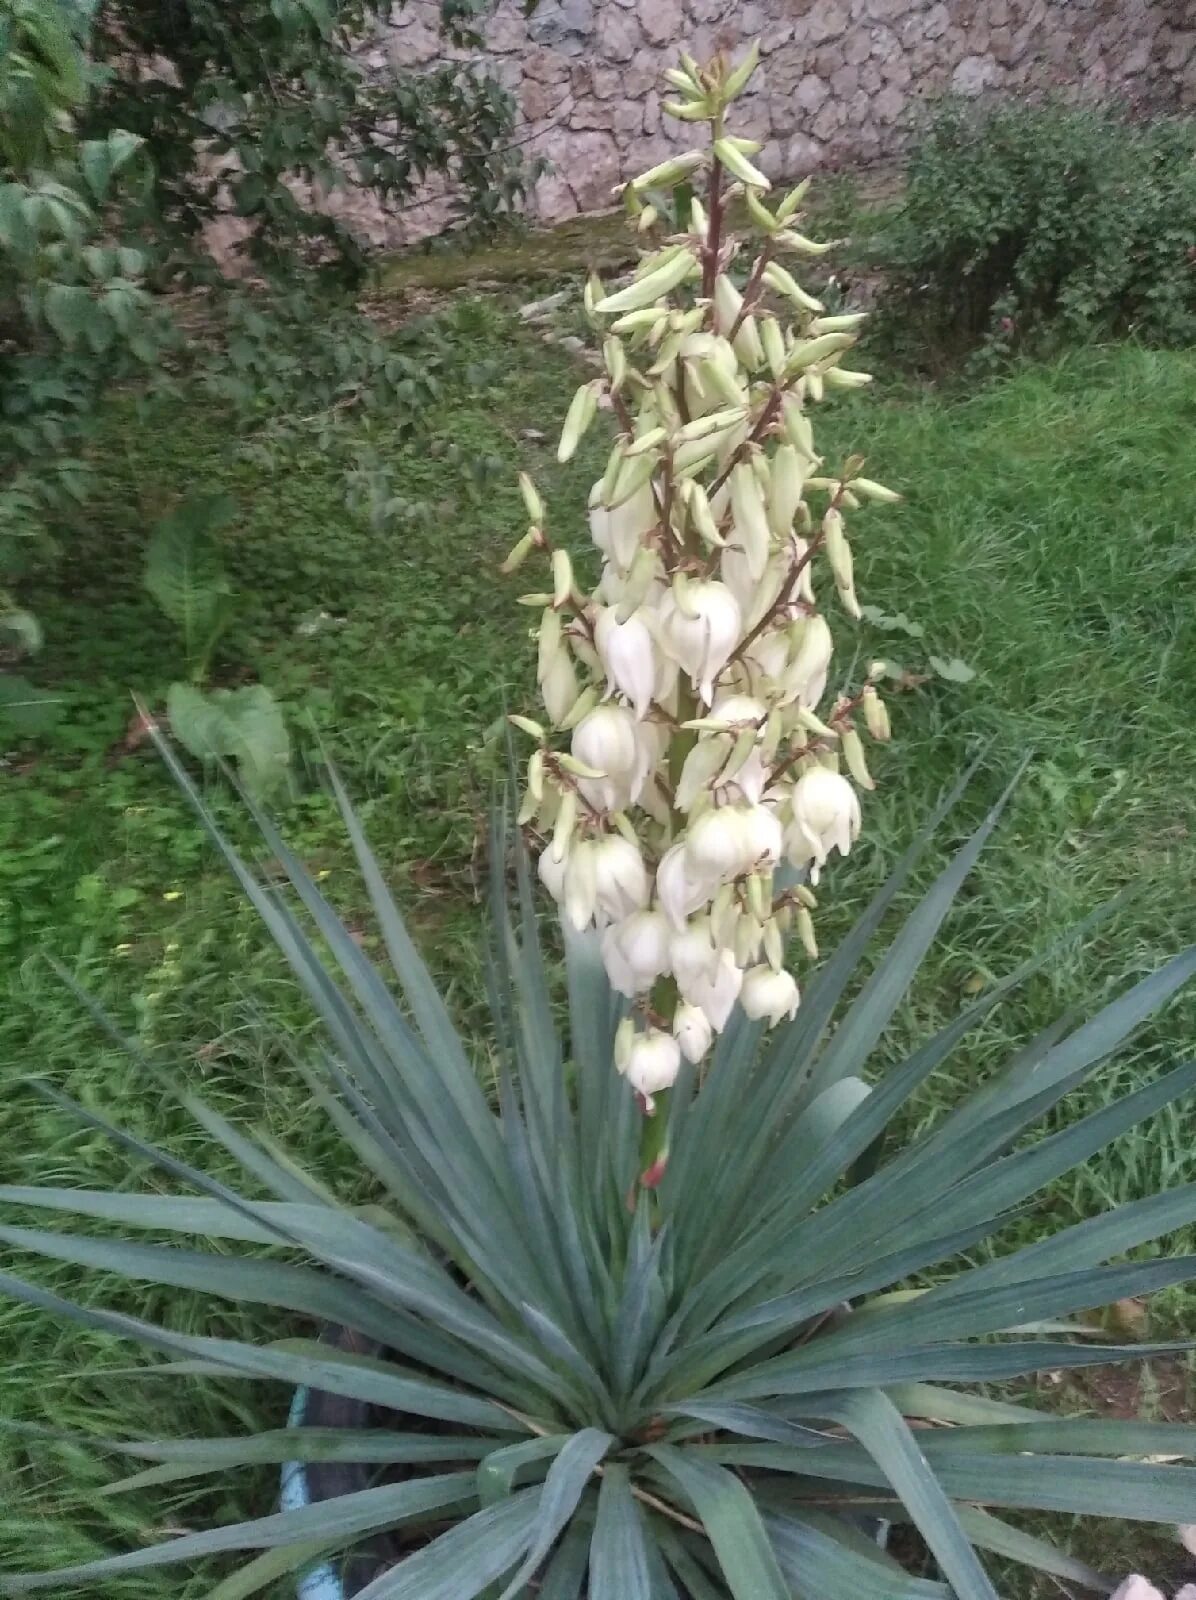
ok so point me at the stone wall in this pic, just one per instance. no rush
(837, 81)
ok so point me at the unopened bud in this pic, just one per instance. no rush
(582, 706)
(562, 578)
(647, 219)
(773, 342)
(876, 714)
(784, 283)
(737, 78)
(526, 725)
(804, 924)
(615, 358)
(519, 554)
(813, 724)
(592, 293)
(583, 408)
(759, 212)
(838, 378)
(810, 351)
(871, 490)
(669, 172)
(731, 156)
(535, 775)
(531, 498)
(792, 200)
(852, 747)
(774, 944)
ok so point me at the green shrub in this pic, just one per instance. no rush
(1023, 223)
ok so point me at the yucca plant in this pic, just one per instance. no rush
(706, 1390)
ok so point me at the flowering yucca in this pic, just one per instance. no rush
(691, 781)
(721, 1390)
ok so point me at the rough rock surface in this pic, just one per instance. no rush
(838, 81)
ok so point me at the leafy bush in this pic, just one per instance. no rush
(257, 104)
(707, 1390)
(123, 130)
(74, 315)
(1024, 221)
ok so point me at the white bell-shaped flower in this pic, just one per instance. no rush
(764, 838)
(806, 674)
(707, 977)
(620, 882)
(692, 1031)
(717, 846)
(653, 1060)
(635, 951)
(717, 996)
(826, 817)
(552, 873)
(580, 885)
(628, 654)
(1136, 1587)
(678, 891)
(769, 994)
(606, 740)
(700, 630)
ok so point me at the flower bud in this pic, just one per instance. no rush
(770, 995)
(520, 552)
(559, 687)
(797, 427)
(652, 1064)
(692, 1031)
(650, 287)
(747, 344)
(738, 77)
(785, 489)
(876, 714)
(531, 498)
(852, 747)
(727, 152)
(772, 341)
(804, 923)
(669, 172)
(583, 408)
(839, 378)
(810, 351)
(728, 303)
(792, 200)
(750, 518)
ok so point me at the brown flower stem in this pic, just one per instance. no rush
(751, 289)
(763, 422)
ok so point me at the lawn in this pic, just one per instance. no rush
(1048, 539)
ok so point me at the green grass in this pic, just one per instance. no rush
(1047, 538)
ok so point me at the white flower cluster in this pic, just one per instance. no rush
(689, 682)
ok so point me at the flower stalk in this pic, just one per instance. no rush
(690, 783)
